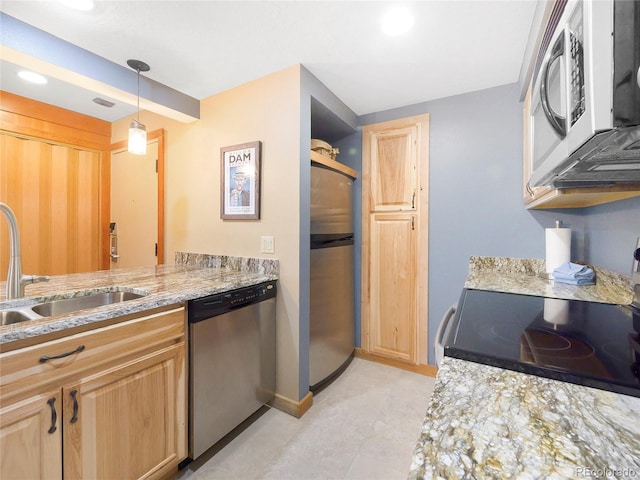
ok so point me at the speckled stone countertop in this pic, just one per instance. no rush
(489, 423)
(516, 275)
(193, 276)
(485, 422)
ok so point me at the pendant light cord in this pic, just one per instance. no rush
(138, 70)
(138, 66)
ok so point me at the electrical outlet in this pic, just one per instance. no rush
(267, 245)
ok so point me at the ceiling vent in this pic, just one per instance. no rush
(103, 102)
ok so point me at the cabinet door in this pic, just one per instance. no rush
(393, 169)
(31, 438)
(393, 286)
(128, 421)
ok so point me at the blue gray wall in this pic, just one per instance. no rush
(475, 192)
(611, 232)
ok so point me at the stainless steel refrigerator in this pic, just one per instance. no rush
(332, 327)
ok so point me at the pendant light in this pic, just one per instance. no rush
(137, 131)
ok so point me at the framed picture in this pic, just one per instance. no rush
(240, 190)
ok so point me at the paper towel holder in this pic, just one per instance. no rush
(548, 274)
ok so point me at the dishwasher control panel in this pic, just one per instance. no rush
(220, 303)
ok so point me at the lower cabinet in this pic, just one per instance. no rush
(125, 418)
(393, 286)
(31, 438)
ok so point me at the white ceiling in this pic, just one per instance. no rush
(204, 47)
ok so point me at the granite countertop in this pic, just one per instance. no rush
(193, 276)
(485, 422)
(490, 423)
(516, 275)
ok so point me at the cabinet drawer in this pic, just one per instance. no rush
(36, 366)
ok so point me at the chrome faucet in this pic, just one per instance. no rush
(16, 281)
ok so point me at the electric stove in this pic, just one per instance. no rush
(586, 343)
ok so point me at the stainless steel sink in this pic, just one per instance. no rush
(67, 305)
(7, 317)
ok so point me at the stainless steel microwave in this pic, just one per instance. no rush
(585, 100)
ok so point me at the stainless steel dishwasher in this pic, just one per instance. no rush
(232, 361)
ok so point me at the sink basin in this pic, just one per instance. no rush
(7, 317)
(67, 305)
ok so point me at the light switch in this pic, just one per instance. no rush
(267, 245)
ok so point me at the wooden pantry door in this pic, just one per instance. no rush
(394, 232)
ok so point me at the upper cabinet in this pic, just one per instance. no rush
(394, 183)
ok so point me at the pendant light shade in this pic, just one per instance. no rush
(137, 131)
(137, 138)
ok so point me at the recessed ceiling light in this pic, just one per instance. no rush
(84, 5)
(397, 20)
(32, 77)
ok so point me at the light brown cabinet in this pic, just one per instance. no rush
(112, 405)
(394, 240)
(393, 164)
(30, 438)
(393, 281)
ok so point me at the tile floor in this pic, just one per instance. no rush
(362, 426)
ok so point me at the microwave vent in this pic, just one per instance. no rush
(615, 166)
(608, 158)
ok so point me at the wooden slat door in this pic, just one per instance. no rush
(54, 190)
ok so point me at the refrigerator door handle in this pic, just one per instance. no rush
(326, 241)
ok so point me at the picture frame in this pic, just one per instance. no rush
(240, 181)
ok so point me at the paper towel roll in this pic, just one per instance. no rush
(558, 247)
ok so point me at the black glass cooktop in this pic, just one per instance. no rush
(587, 343)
